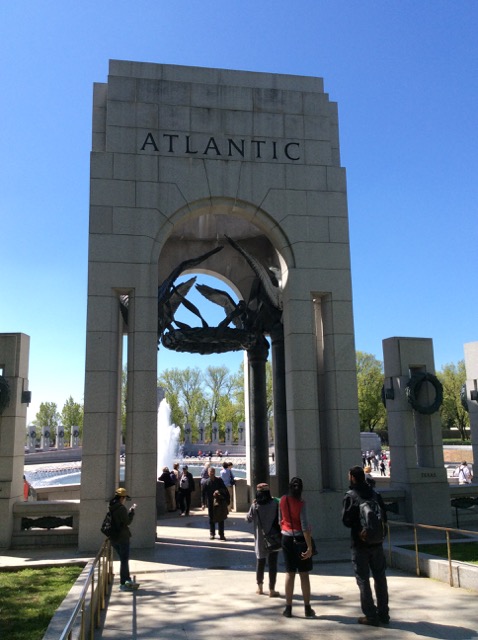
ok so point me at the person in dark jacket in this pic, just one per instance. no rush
(366, 557)
(217, 498)
(186, 487)
(170, 488)
(121, 519)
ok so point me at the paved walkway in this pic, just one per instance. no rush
(193, 588)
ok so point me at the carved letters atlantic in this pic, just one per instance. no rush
(181, 144)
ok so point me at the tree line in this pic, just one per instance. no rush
(214, 394)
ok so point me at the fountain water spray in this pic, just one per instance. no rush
(168, 438)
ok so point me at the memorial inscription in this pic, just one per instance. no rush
(177, 144)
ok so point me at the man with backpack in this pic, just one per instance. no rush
(364, 514)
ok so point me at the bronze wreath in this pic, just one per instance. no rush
(4, 394)
(413, 389)
(208, 340)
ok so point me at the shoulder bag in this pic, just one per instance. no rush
(273, 539)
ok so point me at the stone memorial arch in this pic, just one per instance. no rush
(238, 175)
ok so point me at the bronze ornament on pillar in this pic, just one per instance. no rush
(413, 388)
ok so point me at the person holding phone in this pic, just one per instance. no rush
(121, 534)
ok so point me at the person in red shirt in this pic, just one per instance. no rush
(296, 545)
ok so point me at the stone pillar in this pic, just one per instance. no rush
(280, 412)
(141, 420)
(187, 434)
(228, 438)
(14, 354)
(45, 438)
(241, 433)
(471, 366)
(416, 449)
(75, 437)
(102, 417)
(259, 443)
(31, 438)
(60, 437)
(215, 434)
(201, 431)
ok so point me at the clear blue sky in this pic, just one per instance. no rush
(405, 76)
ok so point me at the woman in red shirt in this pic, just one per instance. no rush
(296, 545)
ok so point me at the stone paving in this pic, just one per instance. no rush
(194, 588)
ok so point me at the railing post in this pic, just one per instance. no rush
(417, 561)
(82, 629)
(92, 607)
(448, 549)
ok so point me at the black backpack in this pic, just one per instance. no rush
(371, 520)
(107, 525)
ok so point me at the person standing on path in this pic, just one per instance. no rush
(169, 489)
(464, 473)
(204, 478)
(175, 473)
(217, 497)
(186, 487)
(264, 514)
(121, 519)
(228, 479)
(296, 545)
(367, 554)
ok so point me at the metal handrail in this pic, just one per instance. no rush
(416, 526)
(102, 570)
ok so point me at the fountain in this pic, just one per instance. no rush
(168, 438)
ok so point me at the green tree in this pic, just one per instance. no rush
(452, 412)
(185, 395)
(370, 380)
(231, 405)
(124, 395)
(47, 416)
(218, 383)
(71, 415)
(237, 392)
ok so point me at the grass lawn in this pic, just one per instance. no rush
(464, 551)
(30, 597)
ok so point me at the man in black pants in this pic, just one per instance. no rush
(186, 487)
(366, 556)
(218, 498)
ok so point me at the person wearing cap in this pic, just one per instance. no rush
(121, 519)
(186, 487)
(264, 514)
(296, 545)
